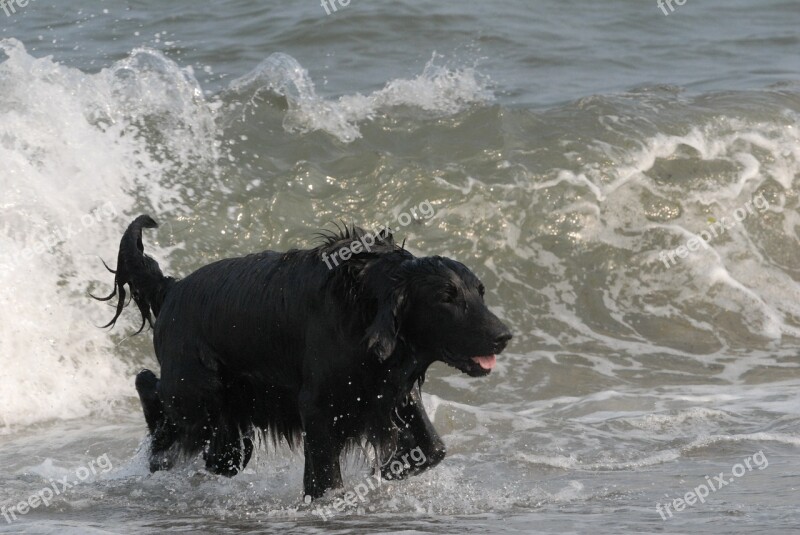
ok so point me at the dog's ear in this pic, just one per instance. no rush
(383, 332)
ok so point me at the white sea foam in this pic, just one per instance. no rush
(70, 143)
(439, 90)
(738, 274)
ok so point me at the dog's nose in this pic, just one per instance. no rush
(502, 340)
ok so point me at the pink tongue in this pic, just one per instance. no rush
(487, 363)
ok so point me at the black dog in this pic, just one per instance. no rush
(300, 349)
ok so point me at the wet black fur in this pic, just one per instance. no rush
(280, 344)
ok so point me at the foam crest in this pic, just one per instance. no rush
(439, 90)
(656, 188)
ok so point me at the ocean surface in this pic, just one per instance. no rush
(624, 178)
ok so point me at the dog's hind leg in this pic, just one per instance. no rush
(204, 403)
(230, 446)
(162, 432)
(419, 446)
(229, 450)
(146, 386)
(163, 446)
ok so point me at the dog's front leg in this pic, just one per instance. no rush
(322, 446)
(419, 446)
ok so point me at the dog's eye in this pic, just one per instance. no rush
(450, 295)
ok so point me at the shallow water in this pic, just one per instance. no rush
(563, 145)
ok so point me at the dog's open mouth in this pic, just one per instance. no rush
(473, 366)
(487, 363)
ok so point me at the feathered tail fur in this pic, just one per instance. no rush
(141, 273)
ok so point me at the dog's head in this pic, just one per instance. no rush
(435, 306)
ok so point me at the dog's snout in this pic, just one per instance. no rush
(502, 340)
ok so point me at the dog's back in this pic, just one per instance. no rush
(221, 302)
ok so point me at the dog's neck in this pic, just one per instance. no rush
(403, 370)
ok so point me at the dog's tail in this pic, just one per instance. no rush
(141, 273)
